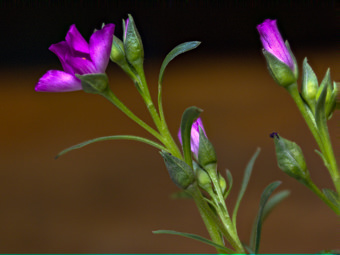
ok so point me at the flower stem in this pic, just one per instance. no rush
(109, 95)
(321, 195)
(321, 136)
(212, 223)
(160, 123)
(222, 208)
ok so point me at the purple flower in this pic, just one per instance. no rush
(273, 43)
(195, 135)
(77, 57)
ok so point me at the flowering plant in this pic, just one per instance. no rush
(193, 167)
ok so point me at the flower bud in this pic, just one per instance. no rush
(203, 178)
(133, 45)
(94, 83)
(331, 96)
(309, 85)
(194, 136)
(280, 60)
(180, 172)
(290, 158)
(206, 152)
(118, 56)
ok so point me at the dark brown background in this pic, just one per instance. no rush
(109, 197)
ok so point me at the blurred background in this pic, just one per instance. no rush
(109, 197)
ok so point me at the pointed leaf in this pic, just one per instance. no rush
(195, 237)
(230, 183)
(114, 137)
(273, 202)
(184, 47)
(332, 196)
(256, 234)
(188, 117)
(245, 182)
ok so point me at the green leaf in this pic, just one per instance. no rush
(188, 117)
(309, 84)
(256, 234)
(273, 202)
(245, 182)
(184, 47)
(206, 151)
(320, 111)
(195, 237)
(230, 183)
(114, 137)
(332, 196)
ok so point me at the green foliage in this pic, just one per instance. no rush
(245, 181)
(256, 233)
(195, 237)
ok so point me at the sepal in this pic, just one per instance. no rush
(206, 151)
(180, 172)
(309, 85)
(95, 83)
(280, 72)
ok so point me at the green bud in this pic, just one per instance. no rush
(206, 151)
(223, 183)
(133, 45)
(290, 159)
(118, 56)
(94, 83)
(280, 72)
(180, 172)
(203, 180)
(331, 96)
(309, 85)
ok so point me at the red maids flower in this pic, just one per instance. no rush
(195, 136)
(78, 57)
(273, 43)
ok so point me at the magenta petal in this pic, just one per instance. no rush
(273, 43)
(76, 41)
(100, 47)
(80, 65)
(62, 50)
(58, 81)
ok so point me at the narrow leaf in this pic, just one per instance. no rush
(188, 117)
(184, 47)
(332, 196)
(273, 202)
(229, 182)
(114, 137)
(256, 234)
(195, 237)
(245, 182)
(320, 111)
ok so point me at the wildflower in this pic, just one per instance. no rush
(78, 57)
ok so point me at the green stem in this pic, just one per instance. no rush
(108, 94)
(210, 220)
(222, 208)
(294, 92)
(321, 136)
(160, 123)
(321, 195)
